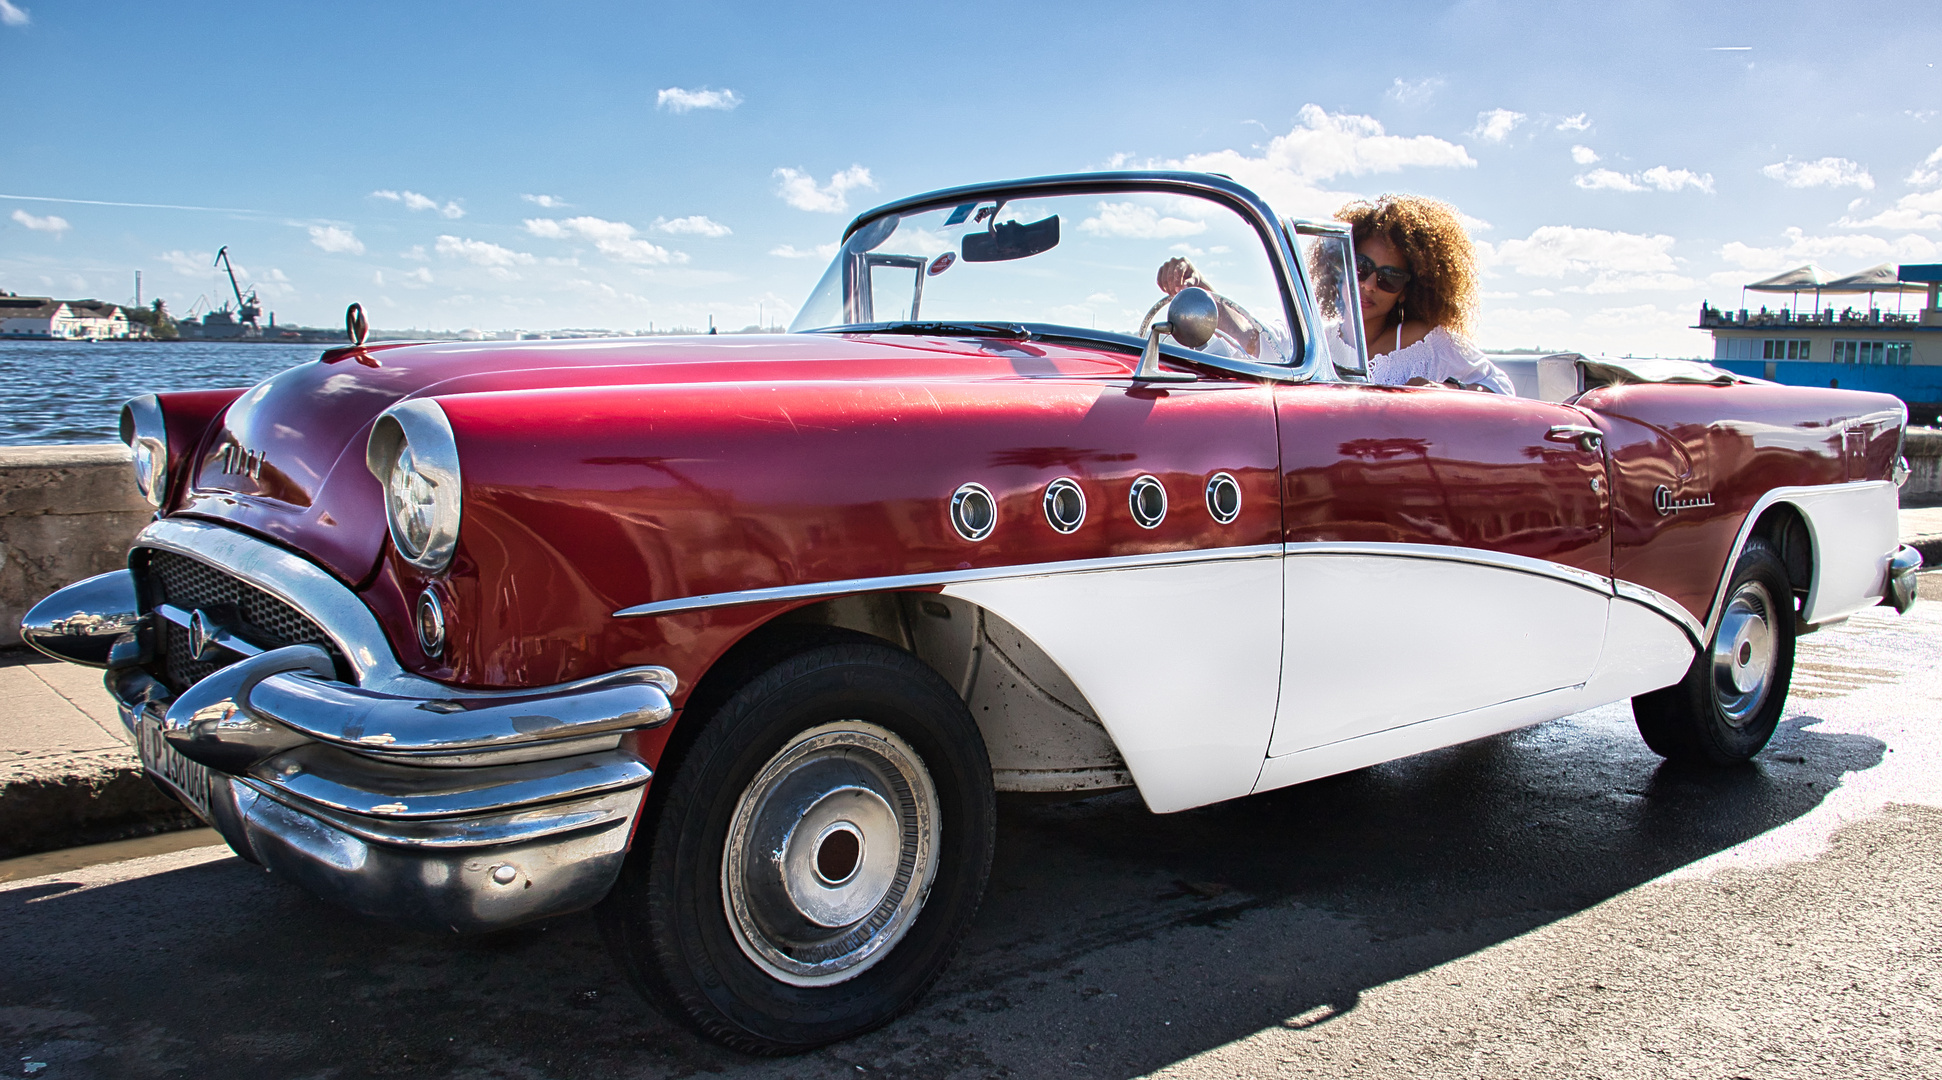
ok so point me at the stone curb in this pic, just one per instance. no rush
(79, 799)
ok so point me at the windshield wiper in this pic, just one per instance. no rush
(956, 329)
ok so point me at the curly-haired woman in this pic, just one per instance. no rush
(1418, 280)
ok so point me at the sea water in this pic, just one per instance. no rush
(71, 391)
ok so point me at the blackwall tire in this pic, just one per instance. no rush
(865, 770)
(1727, 706)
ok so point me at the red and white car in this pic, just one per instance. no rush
(737, 636)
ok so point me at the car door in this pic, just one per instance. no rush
(1445, 551)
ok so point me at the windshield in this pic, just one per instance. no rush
(1092, 264)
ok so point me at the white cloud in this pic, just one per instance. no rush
(1583, 155)
(1929, 172)
(799, 189)
(1621, 261)
(1827, 172)
(13, 16)
(188, 264)
(48, 224)
(676, 100)
(1290, 170)
(550, 202)
(480, 252)
(414, 202)
(614, 239)
(336, 240)
(790, 251)
(1658, 177)
(1496, 125)
(1920, 210)
(1132, 220)
(695, 225)
(1606, 180)
(1413, 91)
(1856, 247)
(1574, 123)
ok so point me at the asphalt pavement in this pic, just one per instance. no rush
(1551, 902)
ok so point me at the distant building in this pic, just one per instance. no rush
(43, 318)
(1861, 332)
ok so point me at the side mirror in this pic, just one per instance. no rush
(1192, 316)
(1191, 319)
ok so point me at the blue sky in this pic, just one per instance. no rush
(615, 165)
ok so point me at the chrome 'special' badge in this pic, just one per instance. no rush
(1663, 501)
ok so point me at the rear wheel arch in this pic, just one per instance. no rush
(1786, 530)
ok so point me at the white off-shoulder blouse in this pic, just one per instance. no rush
(1439, 356)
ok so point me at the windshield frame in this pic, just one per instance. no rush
(1311, 362)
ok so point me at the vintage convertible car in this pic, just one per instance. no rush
(737, 636)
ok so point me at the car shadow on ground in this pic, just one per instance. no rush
(1112, 941)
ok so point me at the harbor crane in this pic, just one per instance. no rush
(247, 308)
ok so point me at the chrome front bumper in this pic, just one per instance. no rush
(1903, 567)
(397, 797)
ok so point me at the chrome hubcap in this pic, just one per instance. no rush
(1743, 653)
(830, 853)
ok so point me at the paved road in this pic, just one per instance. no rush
(1552, 902)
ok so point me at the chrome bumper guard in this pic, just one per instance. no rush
(1902, 569)
(424, 804)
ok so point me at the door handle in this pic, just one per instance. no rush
(1585, 436)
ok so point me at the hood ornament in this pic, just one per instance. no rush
(355, 326)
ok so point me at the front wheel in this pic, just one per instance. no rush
(1726, 708)
(810, 865)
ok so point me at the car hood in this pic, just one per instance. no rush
(286, 459)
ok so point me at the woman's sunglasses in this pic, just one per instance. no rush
(1389, 279)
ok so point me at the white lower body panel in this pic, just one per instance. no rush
(1644, 650)
(1182, 663)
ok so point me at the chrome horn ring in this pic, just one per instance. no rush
(830, 853)
(1744, 651)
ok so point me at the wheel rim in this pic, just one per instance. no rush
(830, 853)
(1743, 653)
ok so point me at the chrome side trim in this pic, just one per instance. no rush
(1664, 605)
(817, 590)
(1523, 564)
(310, 589)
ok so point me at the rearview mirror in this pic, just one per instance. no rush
(1009, 240)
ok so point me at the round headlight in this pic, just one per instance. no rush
(413, 454)
(142, 429)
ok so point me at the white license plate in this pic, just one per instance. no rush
(188, 778)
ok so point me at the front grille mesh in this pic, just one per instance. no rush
(249, 612)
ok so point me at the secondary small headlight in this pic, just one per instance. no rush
(413, 454)
(148, 437)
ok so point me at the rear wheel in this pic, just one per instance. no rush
(1725, 709)
(813, 859)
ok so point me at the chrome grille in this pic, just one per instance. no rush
(254, 615)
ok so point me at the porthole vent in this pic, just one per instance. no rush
(974, 513)
(1148, 500)
(1223, 498)
(1065, 505)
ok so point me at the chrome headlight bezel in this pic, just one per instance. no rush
(417, 435)
(147, 436)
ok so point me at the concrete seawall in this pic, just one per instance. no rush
(66, 513)
(1923, 449)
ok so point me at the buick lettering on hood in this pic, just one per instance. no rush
(735, 637)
